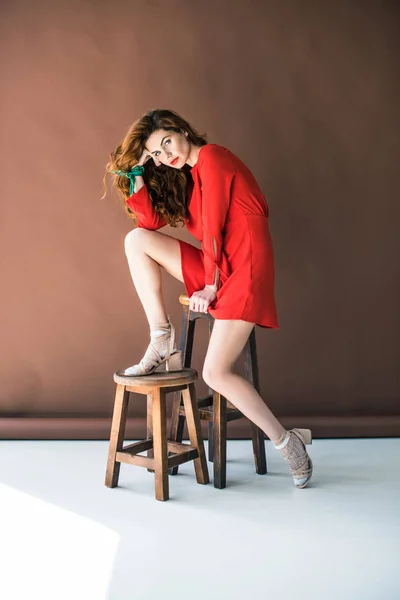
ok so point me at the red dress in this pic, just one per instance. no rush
(228, 213)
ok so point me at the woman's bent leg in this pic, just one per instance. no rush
(146, 252)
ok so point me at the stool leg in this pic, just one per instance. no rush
(150, 453)
(210, 423)
(177, 424)
(217, 433)
(210, 442)
(210, 433)
(195, 436)
(219, 440)
(186, 346)
(160, 444)
(117, 435)
(251, 374)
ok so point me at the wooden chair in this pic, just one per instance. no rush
(214, 408)
(162, 454)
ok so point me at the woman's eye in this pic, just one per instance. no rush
(166, 141)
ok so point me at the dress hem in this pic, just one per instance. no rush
(192, 251)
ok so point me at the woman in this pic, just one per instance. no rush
(169, 174)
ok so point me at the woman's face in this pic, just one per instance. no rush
(169, 148)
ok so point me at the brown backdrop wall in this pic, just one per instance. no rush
(306, 94)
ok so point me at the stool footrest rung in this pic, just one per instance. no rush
(208, 401)
(205, 401)
(206, 413)
(182, 457)
(179, 447)
(139, 461)
(138, 447)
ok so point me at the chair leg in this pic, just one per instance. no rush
(160, 444)
(117, 435)
(194, 430)
(186, 346)
(219, 440)
(251, 374)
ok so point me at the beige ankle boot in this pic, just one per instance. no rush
(292, 448)
(161, 355)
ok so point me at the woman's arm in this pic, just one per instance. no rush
(216, 173)
(140, 203)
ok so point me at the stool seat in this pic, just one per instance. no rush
(162, 454)
(160, 379)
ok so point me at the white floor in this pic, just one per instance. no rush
(64, 535)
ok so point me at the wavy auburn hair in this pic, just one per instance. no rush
(167, 187)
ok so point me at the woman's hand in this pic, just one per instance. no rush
(199, 301)
(144, 158)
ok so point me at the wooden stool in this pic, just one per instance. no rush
(158, 448)
(214, 408)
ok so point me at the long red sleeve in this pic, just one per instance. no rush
(216, 172)
(140, 203)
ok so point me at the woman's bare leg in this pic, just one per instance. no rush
(227, 341)
(146, 252)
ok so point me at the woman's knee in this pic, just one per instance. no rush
(135, 238)
(213, 375)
